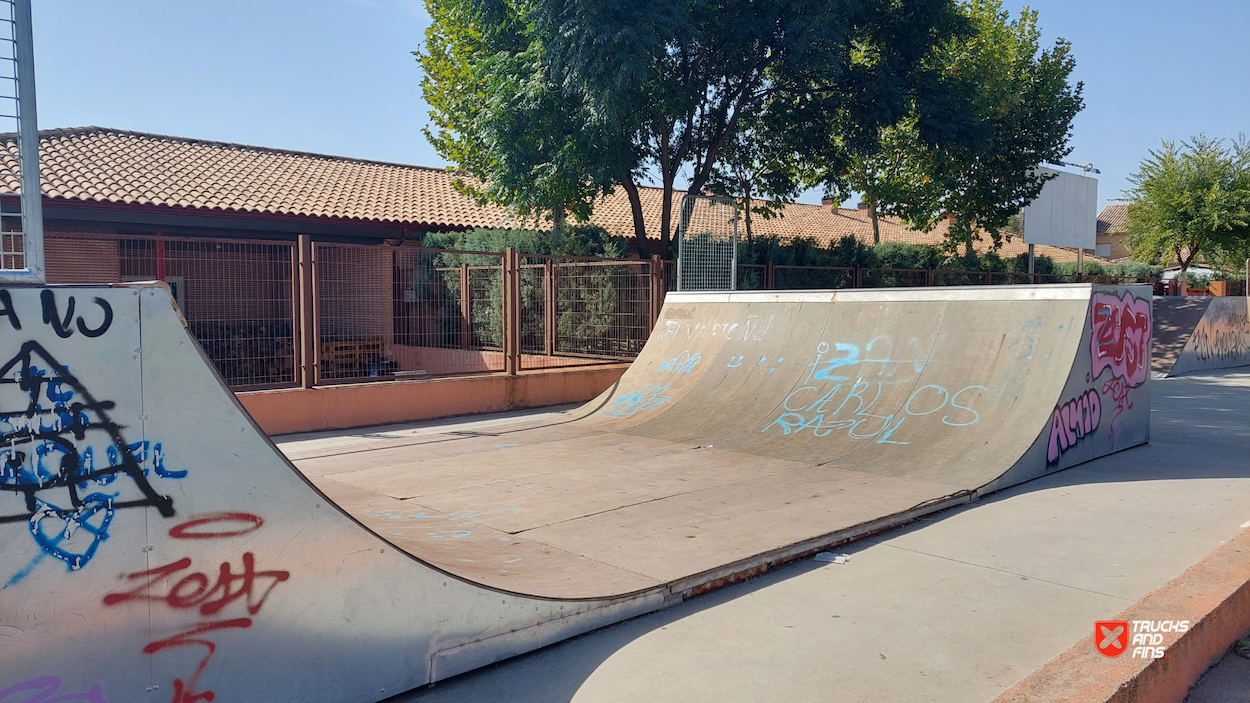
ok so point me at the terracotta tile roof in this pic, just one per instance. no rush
(119, 166)
(1113, 219)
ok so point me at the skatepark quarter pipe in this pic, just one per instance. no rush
(156, 546)
(1200, 334)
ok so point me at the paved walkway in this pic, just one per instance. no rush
(954, 608)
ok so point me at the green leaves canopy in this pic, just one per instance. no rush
(1007, 107)
(1192, 199)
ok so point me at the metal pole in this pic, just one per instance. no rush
(1032, 261)
(28, 140)
(1080, 261)
(733, 266)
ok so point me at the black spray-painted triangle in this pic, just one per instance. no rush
(29, 431)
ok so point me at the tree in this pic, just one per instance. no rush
(685, 78)
(1191, 200)
(523, 140)
(548, 103)
(1007, 107)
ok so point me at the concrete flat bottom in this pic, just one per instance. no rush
(550, 508)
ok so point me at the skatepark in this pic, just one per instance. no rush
(754, 430)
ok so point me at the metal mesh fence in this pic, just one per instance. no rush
(12, 239)
(894, 278)
(707, 243)
(16, 112)
(385, 312)
(237, 296)
(448, 312)
(813, 277)
(602, 308)
(752, 277)
(395, 312)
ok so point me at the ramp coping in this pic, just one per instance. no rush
(1050, 291)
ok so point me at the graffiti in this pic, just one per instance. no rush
(859, 423)
(1121, 337)
(244, 523)
(1030, 328)
(635, 402)
(208, 593)
(750, 330)
(1071, 422)
(683, 363)
(1118, 389)
(1121, 342)
(878, 353)
(1224, 338)
(46, 689)
(49, 457)
(63, 326)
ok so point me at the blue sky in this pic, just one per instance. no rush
(336, 76)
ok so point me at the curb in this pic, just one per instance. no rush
(1213, 595)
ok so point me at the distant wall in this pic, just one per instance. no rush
(340, 407)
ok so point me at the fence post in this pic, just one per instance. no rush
(466, 309)
(549, 308)
(511, 313)
(928, 276)
(770, 276)
(657, 289)
(988, 281)
(858, 280)
(306, 313)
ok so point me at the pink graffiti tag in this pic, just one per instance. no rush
(44, 689)
(1121, 339)
(1071, 422)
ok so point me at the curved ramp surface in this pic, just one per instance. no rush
(1200, 334)
(156, 543)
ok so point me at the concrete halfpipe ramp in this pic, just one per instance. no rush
(156, 546)
(1200, 334)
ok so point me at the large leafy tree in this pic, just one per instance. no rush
(520, 138)
(1191, 199)
(550, 102)
(1008, 107)
(686, 79)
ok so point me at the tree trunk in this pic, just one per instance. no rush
(666, 216)
(640, 225)
(558, 219)
(876, 228)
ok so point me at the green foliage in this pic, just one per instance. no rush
(504, 120)
(587, 303)
(1191, 200)
(548, 103)
(1012, 111)
(577, 240)
(1132, 269)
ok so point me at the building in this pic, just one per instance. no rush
(1112, 231)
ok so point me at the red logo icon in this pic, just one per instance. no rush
(1111, 638)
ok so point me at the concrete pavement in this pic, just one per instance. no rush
(954, 608)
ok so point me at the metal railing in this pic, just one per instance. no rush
(237, 296)
(281, 314)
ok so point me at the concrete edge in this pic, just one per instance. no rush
(1213, 595)
(338, 407)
